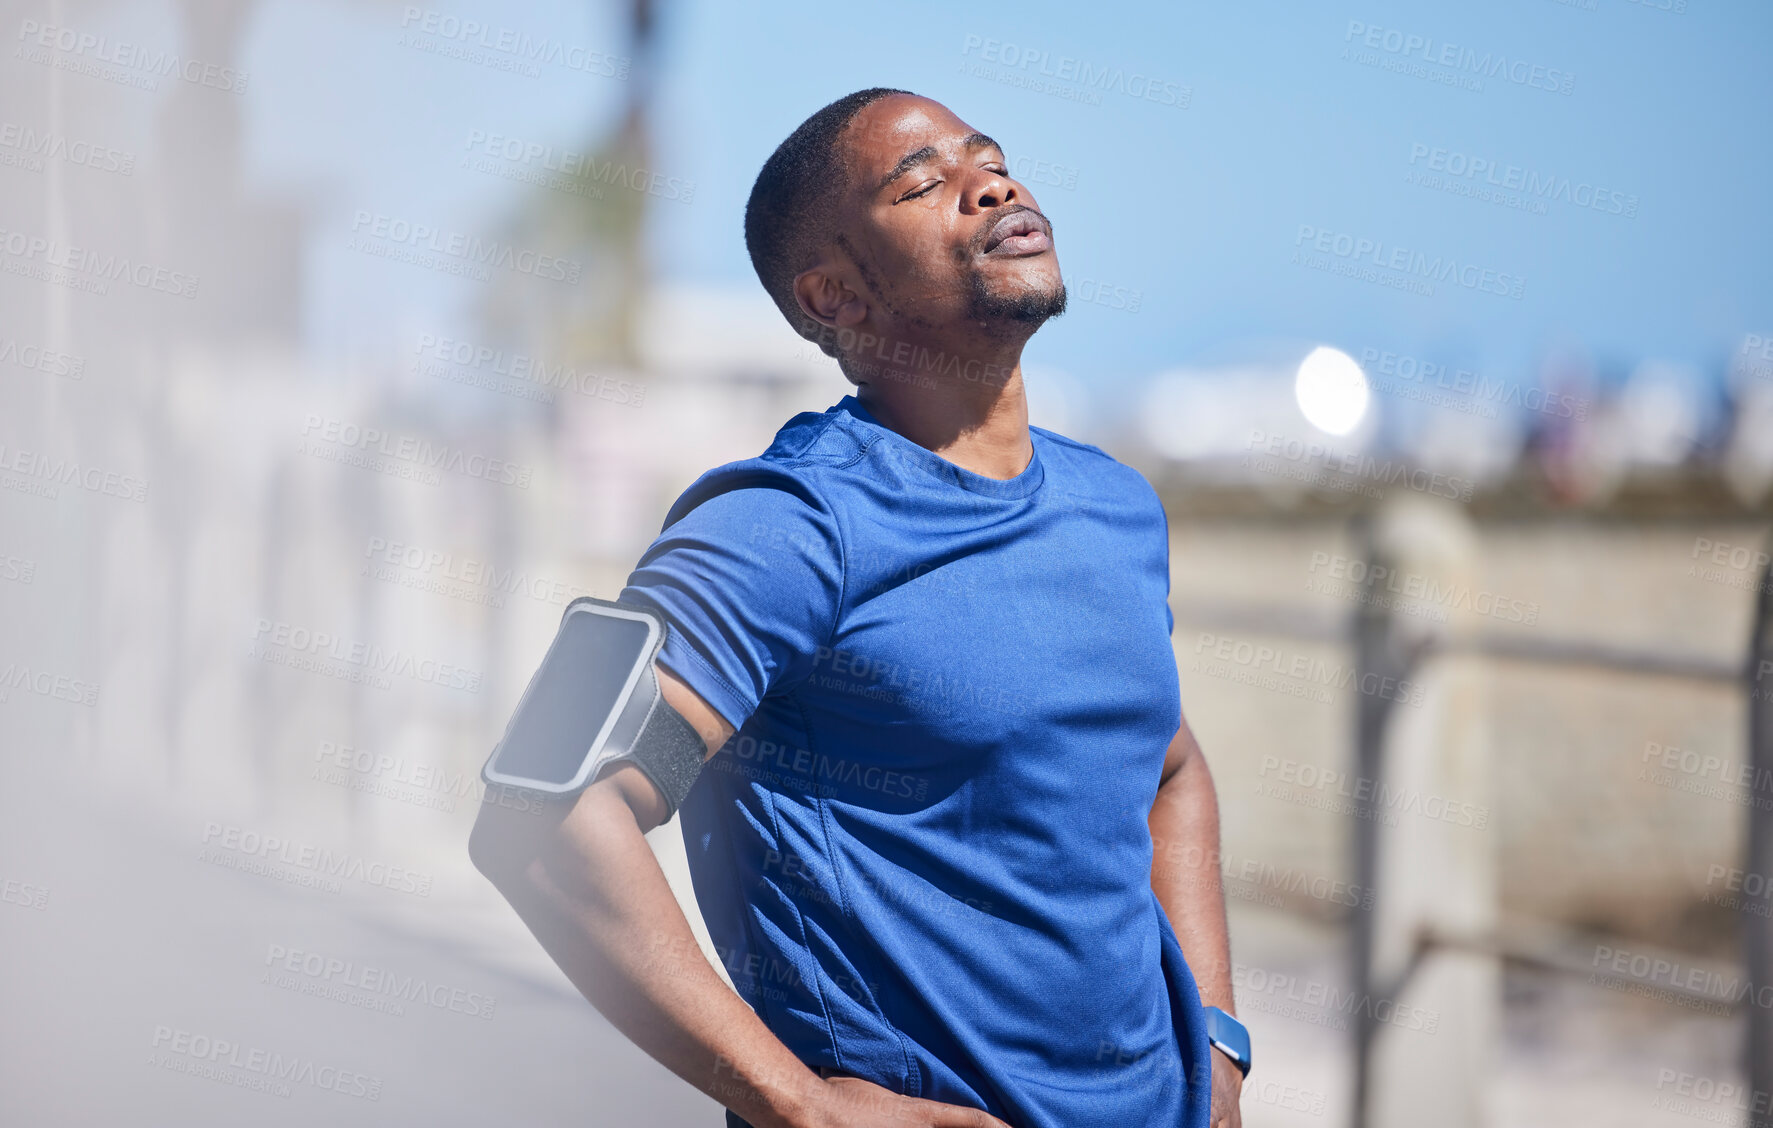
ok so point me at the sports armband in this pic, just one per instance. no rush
(596, 699)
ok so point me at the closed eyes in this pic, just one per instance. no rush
(926, 189)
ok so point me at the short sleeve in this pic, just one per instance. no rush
(1169, 612)
(748, 573)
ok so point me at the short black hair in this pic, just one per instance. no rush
(788, 216)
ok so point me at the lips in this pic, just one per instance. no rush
(1022, 232)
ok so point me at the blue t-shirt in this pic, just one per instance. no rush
(923, 856)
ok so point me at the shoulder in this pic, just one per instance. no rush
(1091, 460)
(1095, 471)
(792, 475)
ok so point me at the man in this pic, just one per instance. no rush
(927, 647)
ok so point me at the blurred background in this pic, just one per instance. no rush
(342, 343)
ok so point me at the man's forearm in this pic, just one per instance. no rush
(593, 894)
(1185, 874)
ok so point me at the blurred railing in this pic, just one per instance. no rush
(1383, 651)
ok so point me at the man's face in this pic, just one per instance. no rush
(937, 229)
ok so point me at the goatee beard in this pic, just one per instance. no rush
(1030, 307)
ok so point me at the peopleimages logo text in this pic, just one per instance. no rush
(517, 45)
(47, 474)
(31, 148)
(1514, 178)
(182, 1051)
(576, 165)
(420, 452)
(95, 268)
(1069, 68)
(1436, 268)
(88, 47)
(1487, 64)
(221, 838)
(470, 249)
(1360, 466)
(367, 656)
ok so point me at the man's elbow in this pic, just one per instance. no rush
(505, 844)
(494, 846)
(480, 851)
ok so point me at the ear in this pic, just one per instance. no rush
(825, 296)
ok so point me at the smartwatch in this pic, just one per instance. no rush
(1227, 1035)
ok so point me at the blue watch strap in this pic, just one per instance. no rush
(1230, 1037)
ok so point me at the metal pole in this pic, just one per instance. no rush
(1757, 929)
(1375, 652)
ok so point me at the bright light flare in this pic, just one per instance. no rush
(1332, 390)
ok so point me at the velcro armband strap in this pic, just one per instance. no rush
(670, 752)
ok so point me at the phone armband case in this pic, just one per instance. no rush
(637, 725)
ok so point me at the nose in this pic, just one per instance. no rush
(993, 190)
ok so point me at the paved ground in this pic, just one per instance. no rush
(148, 954)
(141, 942)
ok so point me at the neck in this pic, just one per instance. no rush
(966, 405)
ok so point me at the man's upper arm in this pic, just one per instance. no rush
(1182, 749)
(634, 786)
(749, 576)
(503, 838)
(713, 728)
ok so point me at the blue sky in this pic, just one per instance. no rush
(1199, 208)
(1196, 209)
